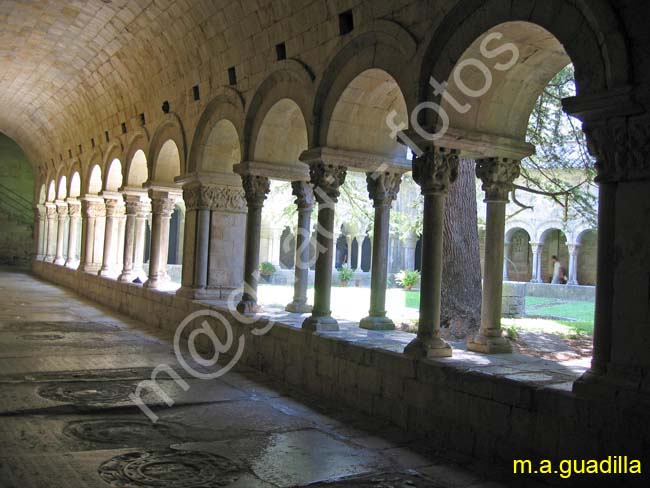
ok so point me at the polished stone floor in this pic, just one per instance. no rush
(68, 366)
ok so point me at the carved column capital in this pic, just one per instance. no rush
(93, 209)
(74, 207)
(383, 187)
(435, 169)
(621, 148)
(50, 210)
(114, 207)
(213, 197)
(256, 188)
(62, 210)
(163, 206)
(304, 193)
(498, 176)
(327, 178)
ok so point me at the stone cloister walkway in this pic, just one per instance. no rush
(68, 365)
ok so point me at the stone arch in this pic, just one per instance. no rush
(42, 194)
(113, 177)
(519, 253)
(554, 240)
(74, 179)
(287, 93)
(589, 35)
(138, 143)
(62, 187)
(218, 134)
(381, 45)
(94, 180)
(167, 151)
(587, 239)
(115, 150)
(51, 191)
(94, 159)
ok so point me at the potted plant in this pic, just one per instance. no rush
(408, 279)
(345, 275)
(266, 271)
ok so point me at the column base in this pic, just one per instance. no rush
(90, 268)
(72, 264)
(106, 273)
(573, 283)
(126, 277)
(299, 307)
(197, 293)
(248, 306)
(59, 261)
(489, 345)
(320, 324)
(420, 348)
(622, 385)
(377, 323)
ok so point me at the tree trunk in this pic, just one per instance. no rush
(461, 279)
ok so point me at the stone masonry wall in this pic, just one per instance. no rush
(483, 414)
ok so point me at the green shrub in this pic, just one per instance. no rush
(345, 274)
(408, 279)
(267, 269)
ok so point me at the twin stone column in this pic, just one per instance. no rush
(62, 215)
(163, 202)
(74, 213)
(498, 176)
(138, 208)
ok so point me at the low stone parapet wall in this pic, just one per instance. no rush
(491, 407)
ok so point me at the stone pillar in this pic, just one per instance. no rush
(304, 194)
(92, 209)
(498, 176)
(133, 204)
(348, 242)
(62, 214)
(326, 178)
(141, 218)
(433, 171)
(383, 189)
(574, 250)
(51, 214)
(256, 188)
(114, 210)
(359, 253)
(74, 211)
(199, 200)
(39, 231)
(163, 203)
(536, 272)
(506, 253)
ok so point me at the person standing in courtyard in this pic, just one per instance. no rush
(557, 271)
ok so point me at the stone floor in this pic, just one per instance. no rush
(67, 367)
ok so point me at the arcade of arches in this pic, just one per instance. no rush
(155, 142)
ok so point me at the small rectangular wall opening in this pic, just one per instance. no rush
(281, 51)
(346, 22)
(123, 127)
(232, 76)
(196, 94)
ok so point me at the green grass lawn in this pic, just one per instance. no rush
(579, 315)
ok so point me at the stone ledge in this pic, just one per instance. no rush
(495, 407)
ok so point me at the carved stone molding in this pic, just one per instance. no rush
(214, 197)
(622, 149)
(327, 178)
(62, 210)
(498, 176)
(256, 188)
(435, 169)
(304, 194)
(163, 206)
(74, 208)
(114, 208)
(50, 210)
(383, 187)
(93, 209)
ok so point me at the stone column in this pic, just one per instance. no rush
(199, 199)
(51, 213)
(62, 214)
(506, 253)
(536, 249)
(326, 178)
(256, 188)
(133, 204)
(433, 171)
(348, 242)
(498, 176)
(74, 211)
(92, 209)
(304, 194)
(163, 203)
(141, 218)
(573, 263)
(39, 237)
(359, 253)
(275, 245)
(383, 189)
(114, 209)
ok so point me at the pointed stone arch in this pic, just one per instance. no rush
(169, 129)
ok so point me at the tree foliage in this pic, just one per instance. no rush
(562, 167)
